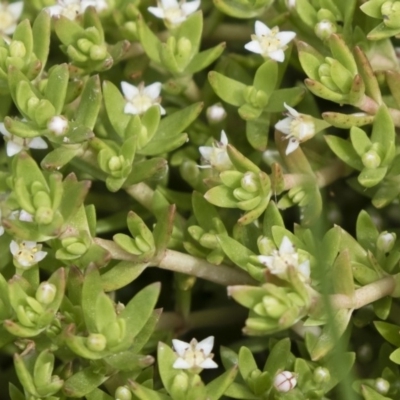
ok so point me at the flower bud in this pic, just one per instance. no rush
(58, 125)
(77, 248)
(215, 113)
(180, 382)
(285, 381)
(391, 14)
(84, 45)
(17, 49)
(184, 47)
(371, 159)
(123, 393)
(385, 241)
(96, 342)
(45, 293)
(273, 307)
(98, 53)
(115, 163)
(44, 215)
(324, 29)
(382, 386)
(265, 245)
(249, 182)
(321, 375)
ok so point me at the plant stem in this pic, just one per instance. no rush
(185, 263)
(371, 107)
(365, 295)
(324, 177)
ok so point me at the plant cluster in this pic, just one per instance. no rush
(246, 147)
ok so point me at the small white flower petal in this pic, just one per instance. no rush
(285, 37)
(284, 125)
(25, 216)
(277, 55)
(13, 148)
(29, 244)
(162, 110)
(16, 9)
(208, 363)
(39, 256)
(180, 363)
(14, 247)
(169, 4)
(292, 111)
(129, 91)
(304, 269)
(190, 7)
(286, 246)
(37, 143)
(261, 29)
(254, 46)
(206, 345)
(206, 152)
(4, 130)
(153, 90)
(180, 347)
(292, 146)
(130, 109)
(157, 12)
(54, 10)
(268, 261)
(224, 138)
(1, 230)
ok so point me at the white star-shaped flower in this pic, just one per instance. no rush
(15, 144)
(73, 8)
(26, 253)
(194, 356)
(58, 125)
(297, 127)
(270, 43)
(279, 260)
(174, 12)
(9, 16)
(216, 156)
(140, 99)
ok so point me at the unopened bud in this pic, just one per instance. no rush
(371, 159)
(215, 113)
(84, 45)
(385, 241)
(123, 393)
(249, 182)
(98, 53)
(96, 342)
(58, 125)
(44, 215)
(321, 375)
(180, 382)
(324, 29)
(115, 163)
(17, 49)
(285, 381)
(382, 386)
(265, 245)
(45, 293)
(184, 49)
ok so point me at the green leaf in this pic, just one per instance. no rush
(83, 382)
(347, 121)
(383, 132)
(246, 363)
(165, 359)
(257, 131)
(382, 307)
(121, 275)
(381, 32)
(68, 31)
(163, 229)
(389, 332)
(266, 77)
(345, 151)
(203, 211)
(236, 252)
(310, 64)
(204, 59)
(367, 233)
(90, 103)
(217, 387)
(371, 177)
(239, 391)
(342, 275)
(221, 196)
(191, 29)
(92, 288)
(227, 89)
(128, 361)
(371, 394)
(342, 53)
(149, 40)
(56, 88)
(140, 308)
(280, 357)
(41, 36)
(115, 103)
(373, 8)
(291, 96)
(360, 140)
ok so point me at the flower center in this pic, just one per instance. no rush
(26, 256)
(174, 14)
(6, 20)
(194, 357)
(70, 11)
(142, 102)
(282, 261)
(301, 129)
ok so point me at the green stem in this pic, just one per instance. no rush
(186, 264)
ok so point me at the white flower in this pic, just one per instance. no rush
(140, 99)
(174, 12)
(285, 381)
(21, 215)
(217, 156)
(194, 355)
(279, 260)
(215, 113)
(9, 16)
(58, 125)
(73, 8)
(297, 127)
(1, 226)
(324, 29)
(15, 144)
(270, 43)
(290, 4)
(26, 253)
